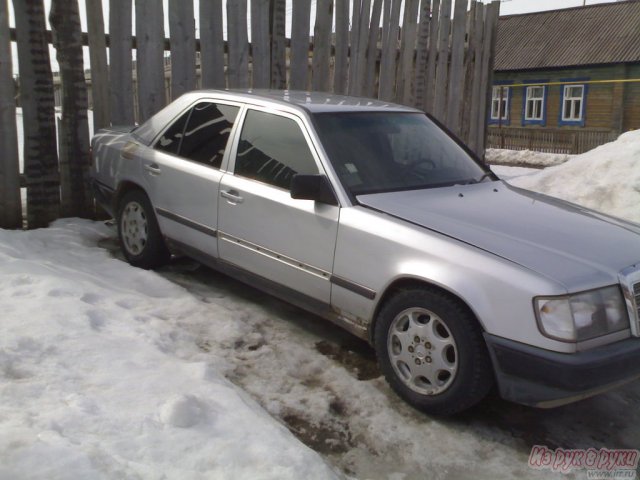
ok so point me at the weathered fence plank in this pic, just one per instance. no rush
(363, 44)
(260, 54)
(354, 41)
(342, 47)
(407, 51)
(468, 72)
(372, 50)
(456, 67)
(238, 63)
(386, 89)
(183, 47)
(488, 52)
(10, 205)
(442, 69)
(422, 51)
(434, 32)
(211, 44)
(98, 62)
(320, 79)
(37, 100)
(476, 96)
(150, 57)
(120, 63)
(301, 11)
(75, 198)
(278, 45)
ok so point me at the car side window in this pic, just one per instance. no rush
(272, 149)
(208, 128)
(169, 142)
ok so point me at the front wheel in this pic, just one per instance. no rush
(140, 237)
(431, 350)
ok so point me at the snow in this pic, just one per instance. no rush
(98, 379)
(524, 158)
(606, 178)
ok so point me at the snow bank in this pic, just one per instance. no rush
(524, 158)
(606, 178)
(99, 380)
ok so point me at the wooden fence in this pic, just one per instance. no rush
(438, 57)
(548, 140)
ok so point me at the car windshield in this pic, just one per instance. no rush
(383, 152)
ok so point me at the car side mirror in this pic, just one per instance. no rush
(313, 187)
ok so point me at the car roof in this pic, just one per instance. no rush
(314, 102)
(307, 102)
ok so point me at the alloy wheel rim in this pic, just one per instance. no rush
(422, 351)
(134, 228)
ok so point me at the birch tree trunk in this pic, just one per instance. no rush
(37, 99)
(74, 130)
(10, 205)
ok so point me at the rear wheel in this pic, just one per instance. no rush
(432, 352)
(140, 237)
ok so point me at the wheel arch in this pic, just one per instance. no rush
(125, 187)
(408, 283)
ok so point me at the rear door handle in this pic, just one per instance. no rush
(153, 169)
(232, 196)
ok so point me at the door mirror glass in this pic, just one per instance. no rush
(312, 187)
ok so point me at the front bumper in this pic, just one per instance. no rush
(541, 378)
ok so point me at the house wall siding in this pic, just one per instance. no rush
(608, 107)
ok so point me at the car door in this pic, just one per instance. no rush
(183, 173)
(261, 228)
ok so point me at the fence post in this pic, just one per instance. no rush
(489, 46)
(442, 68)
(278, 45)
(260, 54)
(211, 44)
(150, 57)
(183, 47)
(238, 63)
(430, 88)
(98, 62)
(74, 128)
(10, 205)
(340, 71)
(456, 69)
(386, 90)
(121, 66)
(37, 100)
(320, 79)
(372, 49)
(420, 80)
(407, 51)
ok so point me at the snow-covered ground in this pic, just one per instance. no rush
(107, 371)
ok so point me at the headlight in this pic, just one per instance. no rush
(582, 316)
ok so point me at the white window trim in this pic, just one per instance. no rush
(495, 98)
(566, 97)
(527, 116)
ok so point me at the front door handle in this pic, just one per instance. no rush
(232, 196)
(153, 169)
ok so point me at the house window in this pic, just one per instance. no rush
(534, 106)
(572, 104)
(500, 103)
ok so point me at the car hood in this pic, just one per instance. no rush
(572, 245)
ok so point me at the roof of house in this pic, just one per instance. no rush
(596, 34)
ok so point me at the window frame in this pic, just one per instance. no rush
(574, 82)
(506, 119)
(188, 109)
(239, 126)
(525, 99)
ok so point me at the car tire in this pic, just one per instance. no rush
(140, 238)
(431, 350)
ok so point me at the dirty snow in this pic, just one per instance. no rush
(606, 178)
(99, 379)
(524, 158)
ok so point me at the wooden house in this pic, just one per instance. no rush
(566, 80)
